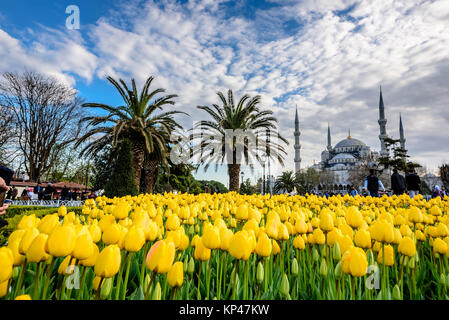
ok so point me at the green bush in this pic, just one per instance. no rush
(14, 218)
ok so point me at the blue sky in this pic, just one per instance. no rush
(327, 57)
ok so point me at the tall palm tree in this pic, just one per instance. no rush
(137, 120)
(285, 182)
(217, 145)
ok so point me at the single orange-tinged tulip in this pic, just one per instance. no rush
(175, 276)
(134, 239)
(36, 252)
(108, 262)
(61, 241)
(161, 256)
(264, 245)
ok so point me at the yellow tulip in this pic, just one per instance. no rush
(3, 288)
(240, 246)
(211, 238)
(36, 252)
(363, 238)
(407, 247)
(112, 234)
(61, 241)
(175, 276)
(23, 297)
(108, 262)
(389, 255)
(84, 247)
(242, 212)
(48, 223)
(264, 246)
(298, 243)
(6, 265)
(201, 253)
(121, 210)
(225, 238)
(90, 261)
(27, 239)
(439, 246)
(134, 239)
(161, 256)
(173, 222)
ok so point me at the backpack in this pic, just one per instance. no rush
(373, 183)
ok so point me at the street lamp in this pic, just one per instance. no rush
(242, 173)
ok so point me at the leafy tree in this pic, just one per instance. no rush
(245, 116)
(306, 180)
(247, 188)
(398, 159)
(122, 182)
(138, 121)
(180, 178)
(444, 174)
(214, 185)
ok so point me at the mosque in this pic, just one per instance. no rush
(347, 154)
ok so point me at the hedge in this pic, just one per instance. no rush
(15, 214)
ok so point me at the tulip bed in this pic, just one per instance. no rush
(231, 246)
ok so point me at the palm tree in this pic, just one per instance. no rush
(285, 182)
(136, 120)
(219, 140)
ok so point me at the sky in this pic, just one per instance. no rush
(328, 58)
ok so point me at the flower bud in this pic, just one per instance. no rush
(284, 289)
(396, 293)
(295, 267)
(323, 268)
(106, 288)
(411, 263)
(338, 271)
(260, 273)
(442, 279)
(336, 253)
(191, 266)
(157, 293)
(175, 276)
(315, 255)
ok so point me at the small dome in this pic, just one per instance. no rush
(350, 143)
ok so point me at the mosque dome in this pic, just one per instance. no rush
(350, 142)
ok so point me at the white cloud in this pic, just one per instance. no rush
(330, 65)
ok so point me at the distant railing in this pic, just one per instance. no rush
(47, 203)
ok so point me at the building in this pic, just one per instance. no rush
(349, 153)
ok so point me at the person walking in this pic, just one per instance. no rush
(64, 193)
(437, 192)
(14, 193)
(353, 192)
(397, 183)
(413, 183)
(48, 192)
(373, 183)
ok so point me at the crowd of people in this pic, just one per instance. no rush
(49, 193)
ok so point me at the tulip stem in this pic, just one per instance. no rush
(83, 279)
(235, 279)
(36, 280)
(100, 284)
(199, 280)
(119, 279)
(47, 278)
(128, 260)
(147, 293)
(265, 276)
(142, 268)
(22, 274)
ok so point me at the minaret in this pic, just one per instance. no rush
(401, 133)
(297, 145)
(383, 129)
(329, 144)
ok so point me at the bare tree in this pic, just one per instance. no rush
(7, 133)
(46, 113)
(327, 179)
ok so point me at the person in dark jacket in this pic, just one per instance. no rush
(413, 183)
(48, 192)
(65, 193)
(397, 183)
(373, 183)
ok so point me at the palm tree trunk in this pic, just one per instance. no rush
(150, 173)
(234, 174)
(138, 157)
